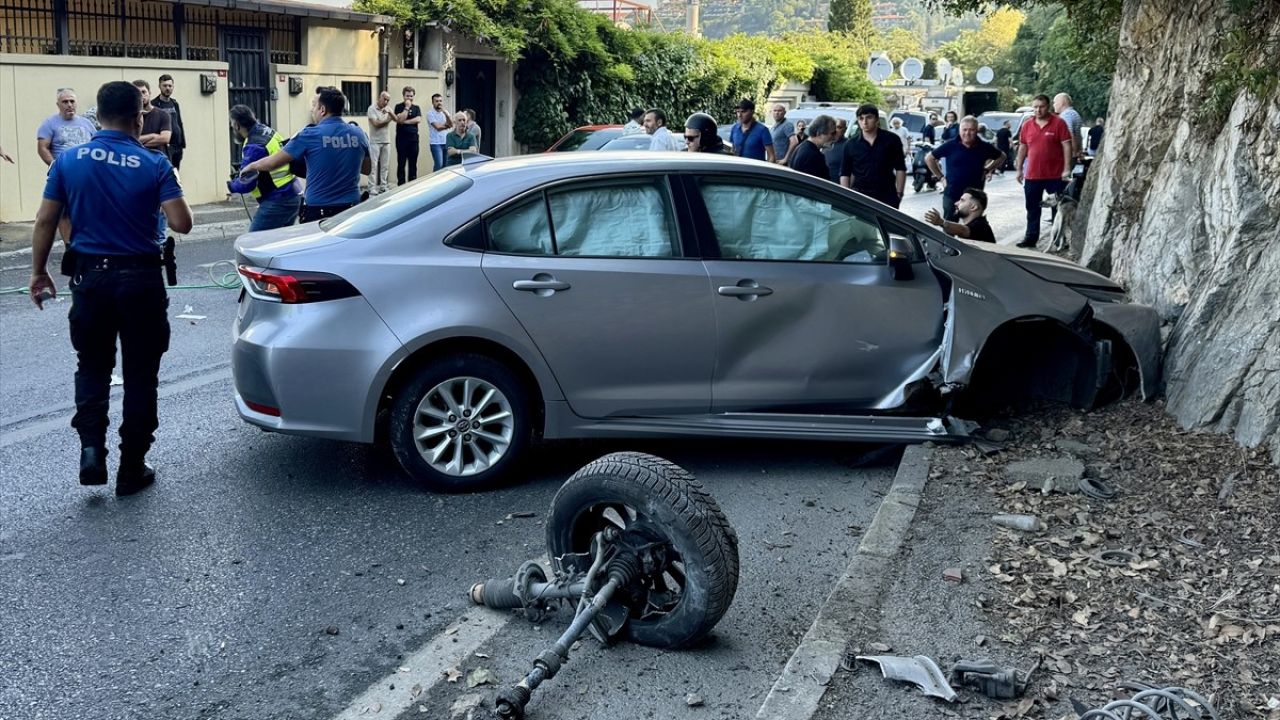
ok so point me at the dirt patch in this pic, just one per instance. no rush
(1195, 602)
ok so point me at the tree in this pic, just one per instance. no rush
(850, 16)
(986, 44)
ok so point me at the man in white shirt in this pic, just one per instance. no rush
(655, 123)
(380, 119)
(634, 126)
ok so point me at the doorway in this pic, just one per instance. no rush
(476, 87)
(248, 76)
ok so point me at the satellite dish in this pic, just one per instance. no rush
(880, 69)
(985, 75)
(911, 69)
(944, 68)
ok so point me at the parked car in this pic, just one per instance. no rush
(913, 120)
(995, 120)
(587, 137)
(466, 314)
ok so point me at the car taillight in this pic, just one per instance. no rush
(291, 287)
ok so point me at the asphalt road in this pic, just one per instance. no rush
(216, 593)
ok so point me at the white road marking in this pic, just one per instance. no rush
(425, 668)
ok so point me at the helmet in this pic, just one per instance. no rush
(706, 127)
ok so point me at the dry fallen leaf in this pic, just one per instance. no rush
(453, 674)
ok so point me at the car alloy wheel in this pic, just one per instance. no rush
(463, 426)
(460, 423)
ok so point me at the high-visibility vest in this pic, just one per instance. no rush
(281, 176)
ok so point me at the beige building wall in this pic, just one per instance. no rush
(332, 52)
(28, 87)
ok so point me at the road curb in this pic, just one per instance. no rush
(799, 688)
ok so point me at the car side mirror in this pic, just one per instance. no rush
(902, 252)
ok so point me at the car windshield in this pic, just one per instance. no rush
(407, 201)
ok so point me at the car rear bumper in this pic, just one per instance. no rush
(314, 364)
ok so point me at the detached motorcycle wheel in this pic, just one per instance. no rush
(676, 605)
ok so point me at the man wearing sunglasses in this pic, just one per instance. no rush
(700, 134)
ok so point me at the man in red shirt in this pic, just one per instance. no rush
(1044, 162)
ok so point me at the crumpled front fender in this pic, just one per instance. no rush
(1139, 325)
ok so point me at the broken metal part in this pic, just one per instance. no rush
(991, 679)
(1115, 558)
(1096, 489)
(1171, 703)
(920, 670)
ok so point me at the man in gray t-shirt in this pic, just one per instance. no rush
(1062, 106)
(783, 129)
(63, 129)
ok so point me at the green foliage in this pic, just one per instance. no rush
(850, 16)
(1055, 53)
(1248, 63)
(839, 62)
(986, 44)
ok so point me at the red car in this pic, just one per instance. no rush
(587, 137)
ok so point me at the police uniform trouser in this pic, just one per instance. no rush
(118, 297)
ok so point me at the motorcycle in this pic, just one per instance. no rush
(920, 173)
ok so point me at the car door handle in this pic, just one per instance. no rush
(536, 285)
(744, 290)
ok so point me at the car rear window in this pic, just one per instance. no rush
(389, 209)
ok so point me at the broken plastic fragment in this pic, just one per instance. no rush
(920, 670)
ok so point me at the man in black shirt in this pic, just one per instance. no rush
(835, 151)
(157, 128)
(807, 157)
(1004, 143)
(408, 117)
(165, 101)
(873, 161)
(1095, 137)
(969, 162)
(973, 223)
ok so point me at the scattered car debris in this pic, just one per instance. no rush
(331, 630)
(481, 676)
(992, 680)
(520, 514)
(1096, 489)
(694, 700)
(919, 669)
(1028, 523)
(1151, 702)
(953, 574)
(997, 435)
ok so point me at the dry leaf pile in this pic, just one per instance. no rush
(1191, 598)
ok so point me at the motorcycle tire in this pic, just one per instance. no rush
(626, 488)
(915, 186)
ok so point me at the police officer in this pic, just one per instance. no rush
(114, 189)
(701, 134)
(337, 154)
(276, 191)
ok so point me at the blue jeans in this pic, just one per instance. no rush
(1033, 191)
(437, 157)
(275, 212)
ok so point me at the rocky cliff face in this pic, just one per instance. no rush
(1189, 218)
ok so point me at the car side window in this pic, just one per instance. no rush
(523, 229)
(754, 222)
(625, 218)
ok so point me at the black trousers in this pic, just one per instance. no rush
(1033, 192)
(130, 304)
(311, 213)
(175, 157)
(406, 154)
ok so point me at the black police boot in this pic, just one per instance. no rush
(133, 476)
(93, 465)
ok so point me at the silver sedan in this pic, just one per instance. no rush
(463, 316)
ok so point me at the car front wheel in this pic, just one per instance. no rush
(460, 423)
